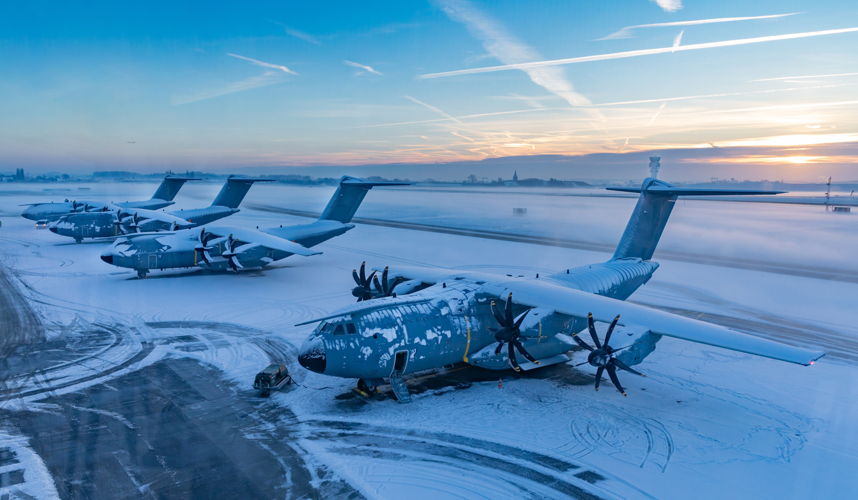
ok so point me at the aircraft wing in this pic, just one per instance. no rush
(578, 303)
(156, 216)
(253, 236)
(424, 274)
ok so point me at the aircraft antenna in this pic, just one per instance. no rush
(654, 165)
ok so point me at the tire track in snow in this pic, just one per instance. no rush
(564, 477)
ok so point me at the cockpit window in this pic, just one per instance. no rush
(350, 327)
(339, 330)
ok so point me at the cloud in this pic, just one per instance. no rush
(669, 5)
(363, 67)
(530, 66)
(504, 46)
(678, 40)
(264, 64)
(626, 32)
(254, 82)
(709, 96)
(301, 35)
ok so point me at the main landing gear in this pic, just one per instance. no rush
(141, 273)
(365, 389)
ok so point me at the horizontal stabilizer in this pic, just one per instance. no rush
(689, 191)
(234, 189)
(348, 197)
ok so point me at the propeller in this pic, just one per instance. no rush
(135, 222)
(603, 357)
(203, 247)
(510, 332)
(363, 290)
(384, 288)
(230, 254)
(117, 223)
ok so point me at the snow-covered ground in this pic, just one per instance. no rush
(705, 422)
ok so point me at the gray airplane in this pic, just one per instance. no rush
(419, 320)
(115, 220)
(235, 248)
(43, 213)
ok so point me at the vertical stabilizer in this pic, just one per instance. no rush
(654, 206)
(349, 196)
(170, 187)
(647, 221)
(233, 191)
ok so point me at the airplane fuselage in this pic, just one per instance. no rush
(151, 251)
(452, 322)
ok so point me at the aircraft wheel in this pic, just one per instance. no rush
(141, 274)
(78, 240)
(365, 388)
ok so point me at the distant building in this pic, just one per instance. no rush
(19, 174)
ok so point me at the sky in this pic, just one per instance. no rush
(148, 86)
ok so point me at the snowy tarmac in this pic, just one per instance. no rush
(143, 386)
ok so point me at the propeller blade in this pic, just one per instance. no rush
(592, 327)
(582, 343)
(498, 348)
(512, 360)
(626, 367)
(524, 352)
(356, 277)
(599, 372)
(508, 310)
(610, 331)
(612, 372)
(498, 316)
(363, 273)
(369, 279)
(521, 317)
(377, 285)
(384, 283)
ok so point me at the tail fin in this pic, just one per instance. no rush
(653, 209)
(233, 191)
(349, 196)
(170, 187)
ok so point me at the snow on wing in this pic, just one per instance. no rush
(578, 303)
(267, 240)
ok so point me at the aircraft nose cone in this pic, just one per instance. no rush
(107, 256)
(312, 355)
(52, 228)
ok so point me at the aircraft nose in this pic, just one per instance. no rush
(312, 355)
(107, 256)
(52, 228)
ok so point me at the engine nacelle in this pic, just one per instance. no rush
(642, 344)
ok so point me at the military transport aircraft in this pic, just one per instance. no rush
(225, 248)
(43, 213)
(114, 220)
(418, 320)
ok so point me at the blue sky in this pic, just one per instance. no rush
(149, 86)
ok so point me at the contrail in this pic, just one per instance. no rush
(638, 53)
(803, 77)
(627, 31)
(264, 64)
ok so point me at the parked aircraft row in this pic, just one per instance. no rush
(419, 320)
